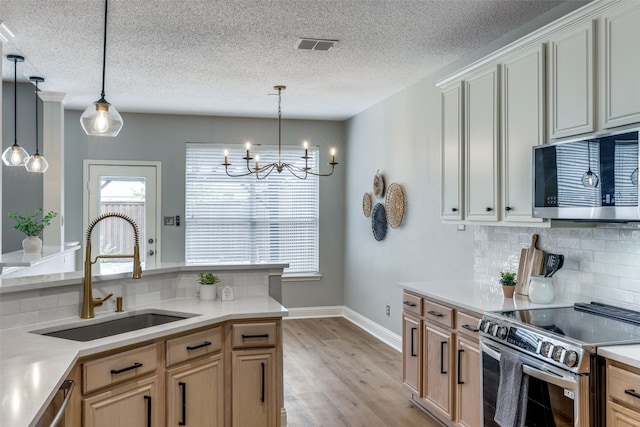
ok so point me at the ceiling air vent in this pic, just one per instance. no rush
(315, 44)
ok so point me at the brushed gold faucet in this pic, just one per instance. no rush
(89, 303)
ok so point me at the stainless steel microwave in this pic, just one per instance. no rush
(591, 179)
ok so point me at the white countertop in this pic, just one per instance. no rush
(627, 354)
(475, 296)
(32, 367)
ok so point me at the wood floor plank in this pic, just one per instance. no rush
(336, 374)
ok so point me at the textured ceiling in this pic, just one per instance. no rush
(222, 57)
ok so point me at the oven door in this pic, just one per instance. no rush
(554, 395)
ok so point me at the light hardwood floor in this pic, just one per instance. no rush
(336, 374)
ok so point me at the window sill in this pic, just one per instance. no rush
(301, 277)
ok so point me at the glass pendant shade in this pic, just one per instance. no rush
(37, 163)
(590, 179)
(15, 156)
(634, 177)
(101, 119)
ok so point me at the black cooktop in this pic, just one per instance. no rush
(590, 324)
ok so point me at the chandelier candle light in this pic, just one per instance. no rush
(261, 172)
(15, 155)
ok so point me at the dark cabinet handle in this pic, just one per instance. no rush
(435, 313)
(508, 208)
(632, 392)
(410, 304)
(460, 367)
(128, 368)
(195, 347)
(413, 331)
(454, 209)
(469, 328)
(244, 337)
(183, 393)
(442, 345)
(488, 209)
(263, 379)
(148, 400)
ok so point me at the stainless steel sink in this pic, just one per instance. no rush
(131, 321)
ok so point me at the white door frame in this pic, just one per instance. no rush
(85, 198)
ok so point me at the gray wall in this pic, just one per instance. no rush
(21, 190)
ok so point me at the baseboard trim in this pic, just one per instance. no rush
(383, 334)
(308, 312)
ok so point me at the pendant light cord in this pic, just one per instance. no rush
(104, 46)
(279, 126)
(15, 101)
(37, 153)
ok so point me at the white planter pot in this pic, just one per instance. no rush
(207, 292)
(32, 244)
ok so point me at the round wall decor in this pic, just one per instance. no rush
(394, 205)
(378, 185)
(378, 222)
(366, 204)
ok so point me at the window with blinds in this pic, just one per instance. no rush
(245, 220)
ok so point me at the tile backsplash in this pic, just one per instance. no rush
(602, 263)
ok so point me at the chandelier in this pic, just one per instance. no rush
(261, 172)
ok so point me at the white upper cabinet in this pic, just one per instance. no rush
(481, 115)
(523, 108)
(620, 64)
(451, 206)
(571, 82)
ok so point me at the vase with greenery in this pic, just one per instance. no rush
(207, 286)
(508, 282)
(32, 225)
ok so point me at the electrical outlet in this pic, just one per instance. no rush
(388, 310)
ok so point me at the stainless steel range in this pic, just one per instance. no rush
(557, 348)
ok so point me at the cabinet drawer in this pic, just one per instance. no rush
(438, 313)
(119, 367)
(412, 303)
(246, 335)
(623, 386)
(194, 345)
(467, 324)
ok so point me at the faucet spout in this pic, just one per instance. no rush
(89, 303)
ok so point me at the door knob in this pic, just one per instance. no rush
(150, 240)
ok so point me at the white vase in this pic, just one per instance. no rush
(541, 290)
(32, 244)
(207, 292)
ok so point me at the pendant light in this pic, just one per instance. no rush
(590, 179)
(37, 163)
(15, 155)
(101, 118)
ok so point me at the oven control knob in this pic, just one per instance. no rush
(501, 333)
(487, 327)
(545, 349)
(558, 353)
(571, 359)
(494, 330)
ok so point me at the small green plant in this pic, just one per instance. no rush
(208, 279)
(507, 278)
(34, 223)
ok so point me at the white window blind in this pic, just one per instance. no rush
(246, 220)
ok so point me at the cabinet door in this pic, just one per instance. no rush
(195, 394)
(412, 353)
(254, 388)
(620, 64)
(620, 416)
(468, 390)
(571, 100)
(437, 371)
(481, 146)
(452, 153)
(136, 404)
(523, 121)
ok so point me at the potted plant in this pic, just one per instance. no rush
(207, 286)
(32, 225)
(508, 282)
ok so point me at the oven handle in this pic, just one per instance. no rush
(548, 377)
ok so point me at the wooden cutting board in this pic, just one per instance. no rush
(531, 264)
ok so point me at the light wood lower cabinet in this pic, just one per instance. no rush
(134, 404)
(412, 353)
(437, 371)
(468, 387)
(195, 394)
(254, 388)
(623, 395)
